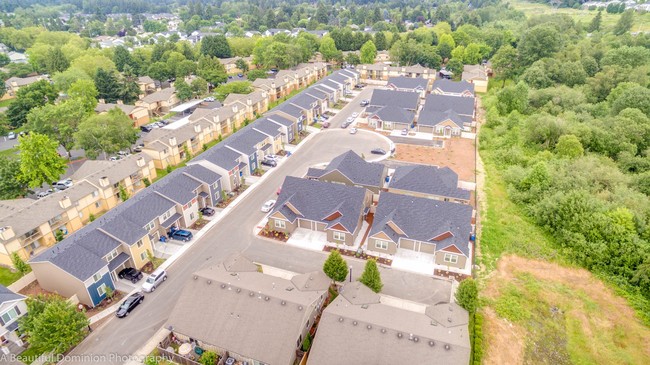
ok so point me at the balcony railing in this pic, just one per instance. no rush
(31, 236)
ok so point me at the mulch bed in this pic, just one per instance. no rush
(200, 223)
(117, 296)
(224, 203)
(280, 236)
(33, 289)
(363, 256)
(449, 274)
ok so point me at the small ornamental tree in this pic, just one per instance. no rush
(335, 267)
(371, 277)
(467, 295)
(20, 264)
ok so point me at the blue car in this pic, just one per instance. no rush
(180, 235)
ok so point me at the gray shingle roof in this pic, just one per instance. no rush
(7, 295)
(316, 200)
(202, 174)
(290, 109)
(245, 140)
(280, 119)
(221, 156)
(402, 99)
(253, 326)
(441, 181)
(450, 86)
(396, 114)
(304, 101)
(267, 127)
(178, 187)
(423, 219)
(351, 333)
(463, 106)
(433, 118)
(354, 168)
(403, 82)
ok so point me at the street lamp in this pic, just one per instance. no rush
(350, 273)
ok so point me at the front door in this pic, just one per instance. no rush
(447, 132)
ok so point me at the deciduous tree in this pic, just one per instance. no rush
(108, 133)
(11, 186)
(216, 46)
(29, 97)
(368, 52)
(183, 90)
(39, 160)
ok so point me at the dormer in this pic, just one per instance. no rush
(333, 216)
(7, 233)
(65, 202)
(292, 208)
(140, 162)
(234, 108)
(442, 236)
(103, 181)
(172, 141)
(395, 227)
(197, 128)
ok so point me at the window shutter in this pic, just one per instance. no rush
(2, 322)
(17, 310)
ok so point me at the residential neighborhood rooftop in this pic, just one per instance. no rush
(402, 99)
(354, 168)
(431, 180)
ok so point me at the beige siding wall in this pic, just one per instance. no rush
(348, 241)
(290, 227)
(136, 252)
(53, 279)
(392, 247)
(440, 260)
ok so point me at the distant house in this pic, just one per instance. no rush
(255, 103)
(453, 88)
(338, 210)
(352, 170)
(138, 114)
(390, 334)
(17, 57)
(12, 307)
(430, 227)
(425, 181)
(146, 84)
(259, 319)
(446, 116)
(412, 84)
(390, 109)
(477, 75)
(231, 64)
(13, 84)
(382, 72)
(160, 102)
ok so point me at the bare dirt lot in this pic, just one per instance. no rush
(544, 313)
(458, 154)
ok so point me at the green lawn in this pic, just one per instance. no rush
(12, 152)
(641, 21)
(7, 277)
(4, 103)
(28, 356)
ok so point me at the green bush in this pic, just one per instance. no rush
(146, 181)
(208, 358)
(306, 343)
(169, 168)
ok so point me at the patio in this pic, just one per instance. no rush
(413, 261)
(308, 239)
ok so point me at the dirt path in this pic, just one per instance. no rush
(481, 199)
(598, 326)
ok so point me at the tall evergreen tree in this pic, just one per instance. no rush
(371, 277)
(594, 26)
(107, 85)
(335, 267)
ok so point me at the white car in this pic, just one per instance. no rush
(11, 135)
(209, 99)
(350, 120)
(355, 114)
(268, 206)
(353, 130)
(275, 158)
(44, 193)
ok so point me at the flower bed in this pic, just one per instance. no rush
(362, 255)
(200, 223)
(276, 235)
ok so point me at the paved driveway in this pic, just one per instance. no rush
(234, 234)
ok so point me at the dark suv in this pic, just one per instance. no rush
(130, 274)
(180, 235)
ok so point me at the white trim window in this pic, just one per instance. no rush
(97, 277)
(450, 258)
(280, 224)
(10, 315)
(143, 256)
(101, 290)
(149, 226)
(382, 245)
(338, 236)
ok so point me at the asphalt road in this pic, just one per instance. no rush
(6, 143)
(234, 234)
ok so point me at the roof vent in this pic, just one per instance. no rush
(209, 281)
(449, 319)
(410, 336)
(267, 298)
(355, 323)
(434, 323)
(223, 286)
(369, 327)
(195, 277)
(300, 307)
(416, 339)
(364, 306)
(383, 330)
(447, 347)
(340, 319)
(238, 290)
(289, 288)
(399, 335)
(251, 294)
(233, 274)
(283, 302)
(431, 343)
